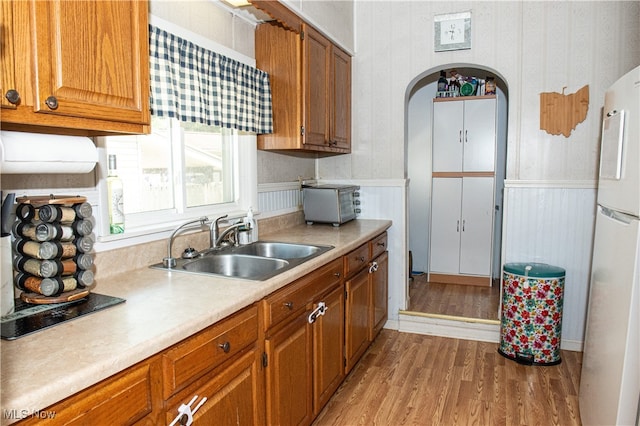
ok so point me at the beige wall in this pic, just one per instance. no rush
(333, 17)
(535, 46)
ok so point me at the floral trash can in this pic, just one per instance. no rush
(531, 320)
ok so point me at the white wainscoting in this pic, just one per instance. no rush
(553, 223)
(279, 198)
(547, 222)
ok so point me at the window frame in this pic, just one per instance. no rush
(246, 195)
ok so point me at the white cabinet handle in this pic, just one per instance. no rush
(320, 310)
(185, 414)
(373, 268)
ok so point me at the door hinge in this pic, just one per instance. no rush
(301, 35)
(301, 130)
(346, 294)
(265, 360)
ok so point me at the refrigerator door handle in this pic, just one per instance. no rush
(617, 216)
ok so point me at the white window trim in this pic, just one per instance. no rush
(246, 197)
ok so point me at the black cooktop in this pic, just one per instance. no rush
(29, 318)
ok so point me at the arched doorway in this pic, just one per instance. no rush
(418, 124)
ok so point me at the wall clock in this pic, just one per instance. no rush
(452, 31)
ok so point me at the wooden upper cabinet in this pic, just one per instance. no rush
(87, 62)
(340, 124)
(316, 81)
(310, 88)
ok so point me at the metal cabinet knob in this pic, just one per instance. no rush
(337, 274)
(289, 305)
(52, 102)
(226, 347)
(13, 96)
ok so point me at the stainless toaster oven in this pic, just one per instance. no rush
(335, 204)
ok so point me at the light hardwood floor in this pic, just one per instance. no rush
(453, 299)
(411, 379)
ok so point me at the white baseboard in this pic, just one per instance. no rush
(447, 327)
(460, 328)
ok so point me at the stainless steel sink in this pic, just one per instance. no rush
(236, 265)
(279, 250)
(256, 261)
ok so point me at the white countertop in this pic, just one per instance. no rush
(161, 309)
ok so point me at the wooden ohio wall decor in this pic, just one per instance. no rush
(560, 113)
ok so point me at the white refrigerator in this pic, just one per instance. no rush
(610, 379)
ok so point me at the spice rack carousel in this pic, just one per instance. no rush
(52, 248)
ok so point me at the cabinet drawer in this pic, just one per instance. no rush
(356, 260)
(287, 301)
(122, 399)
(377, 245)
(195, 356)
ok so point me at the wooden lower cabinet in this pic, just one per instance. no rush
(357, 318)
(234, 394)
(378, 279)
(304, 348)
(289, 374)
(366, 304)
(328, 350)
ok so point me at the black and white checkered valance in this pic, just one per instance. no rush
(197, 85)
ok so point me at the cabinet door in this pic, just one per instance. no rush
(316, 56)
(477, 225)
(340, 131)
(479, 135)
(379, 279)
(328, 344)
(234, 395)
(445, 225)
(289, 374)
(357, 318)
(93, 59)
(447, 136)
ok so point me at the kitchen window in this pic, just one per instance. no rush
(200, 159)
(178, 172)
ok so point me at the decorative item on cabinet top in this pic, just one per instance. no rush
(560, 113)
(22, 152)
(458, 85)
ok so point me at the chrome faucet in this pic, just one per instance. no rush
(214, 231)
(169, 261)
(216, 238)
(231, 229)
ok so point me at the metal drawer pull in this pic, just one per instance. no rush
(320, 310)
(337, 274)
(381, 244)
(373, 268)
(226, 347)
(288, 305)
(51, 102)
(361, 258)
(13, 96)
(185, 413)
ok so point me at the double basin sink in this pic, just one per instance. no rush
(257, 261)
